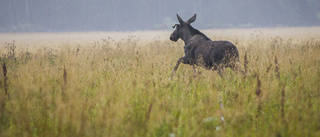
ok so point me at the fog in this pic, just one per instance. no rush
(132, 15)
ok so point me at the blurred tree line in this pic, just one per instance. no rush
(126, 15)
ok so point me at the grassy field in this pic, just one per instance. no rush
(118, 84)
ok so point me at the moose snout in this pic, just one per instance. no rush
(173, 38)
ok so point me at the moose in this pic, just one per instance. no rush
(201, 51)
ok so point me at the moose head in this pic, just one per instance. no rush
(183, 29)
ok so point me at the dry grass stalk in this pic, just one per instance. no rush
(148, 114)
(282, 101)
(147, 117)
(65, 75)
(258, 88)
(12, 48)
(258, 93)
(268, 68)
(276, 70)
(176, 120)
(245, 64)
(221, 110)
(78, 49)
(6, 86)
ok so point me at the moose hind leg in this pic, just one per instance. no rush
(221, 70)
(235, 65)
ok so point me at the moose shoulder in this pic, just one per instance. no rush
(201, 51)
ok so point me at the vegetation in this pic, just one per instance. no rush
(123, 88)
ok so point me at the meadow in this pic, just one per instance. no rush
(119, 84)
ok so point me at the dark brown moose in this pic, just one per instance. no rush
(201, 51)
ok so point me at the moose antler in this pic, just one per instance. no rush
(175, 25)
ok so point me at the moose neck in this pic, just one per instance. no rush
(187, 38)
(190, 36)
(187, 35)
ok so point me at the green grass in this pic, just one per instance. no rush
(123, 88)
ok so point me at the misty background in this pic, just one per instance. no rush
(132, 15)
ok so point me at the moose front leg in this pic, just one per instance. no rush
(180, 60)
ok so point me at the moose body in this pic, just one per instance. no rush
(201, 51)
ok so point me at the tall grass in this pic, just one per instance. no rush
(123, 88)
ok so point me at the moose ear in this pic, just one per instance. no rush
(192, 19)
(179, 19)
